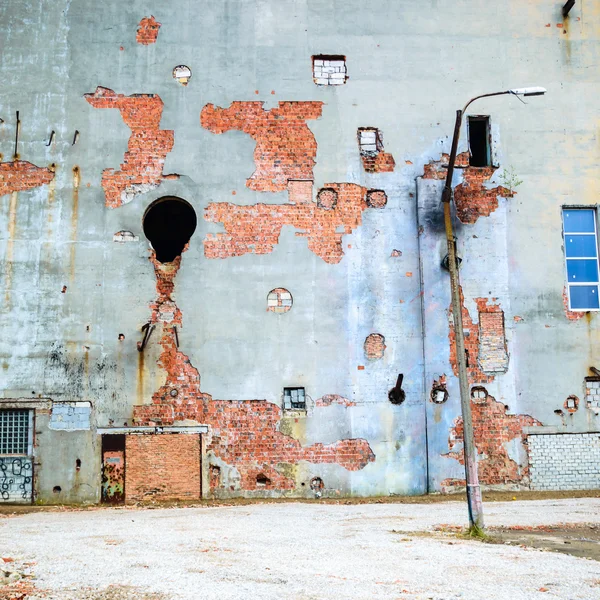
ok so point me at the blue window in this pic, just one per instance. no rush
(581, 252)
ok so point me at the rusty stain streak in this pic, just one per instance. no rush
(12, 226)
(74, 217)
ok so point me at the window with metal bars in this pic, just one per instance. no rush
(14, 431)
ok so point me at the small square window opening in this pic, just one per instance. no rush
(15, 431)
(581, 258)
(479, 141)
(329, 69)
(294, 398)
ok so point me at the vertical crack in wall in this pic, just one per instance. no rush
(147, 148)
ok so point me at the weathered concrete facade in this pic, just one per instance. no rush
(302, 143)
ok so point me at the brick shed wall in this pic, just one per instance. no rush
(564, 461)
(162, 467)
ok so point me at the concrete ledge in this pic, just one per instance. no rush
(151, 430)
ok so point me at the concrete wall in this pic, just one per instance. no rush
(76, 296)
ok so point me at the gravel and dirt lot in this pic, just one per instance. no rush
(304, 551)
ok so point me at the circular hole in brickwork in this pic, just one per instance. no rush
(374, 346)
(262, 480)
(182, 73)
(173, 393)
(169, 223)
(279, 300)
(478, 394)
(439, 394)
(376, 198)
(327, 198)
(57, 489)
(317, 486)
(572, 404)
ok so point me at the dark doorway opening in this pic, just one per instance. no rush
(113, 469)
(479, 141)
(169, 223)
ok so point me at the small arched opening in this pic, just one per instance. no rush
(169, 223)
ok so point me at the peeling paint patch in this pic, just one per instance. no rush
(493, 429)
(123, 237)
(148, 146)
(330, 399)
(285, 147)
(147, 31)
(472, 198)
(243, 434)
(20, 175)
(256, 228)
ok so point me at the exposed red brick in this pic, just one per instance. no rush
(164, 308)
(285, 147)
(162, 467)
(256, 228)
(471, 197)
(382, 162)
(473, 338)
(147, 31)
(374, 346)
(330, 399)
(142, 169)
(20, 175)
(244, 434)
(493, 429)
(572, 315)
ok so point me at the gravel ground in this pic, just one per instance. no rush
(295, 551)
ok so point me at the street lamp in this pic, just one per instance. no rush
(472, 479)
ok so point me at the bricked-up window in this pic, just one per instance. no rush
(581, 255)
(479, 142)
(329, 69)
(279, 300)
(15, 431)
(294, 398)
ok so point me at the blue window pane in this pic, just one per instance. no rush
(582, 271)
(580, 245)
(577, 220)
(584, 296)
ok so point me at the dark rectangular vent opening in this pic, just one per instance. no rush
(479, 142)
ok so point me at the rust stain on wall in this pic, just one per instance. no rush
(472, 198)
(493, 429)
(148, 146)
(256, 228)
(285, 147)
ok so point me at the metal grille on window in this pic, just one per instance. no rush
(14, 431)
(581, 252)
(294, 399)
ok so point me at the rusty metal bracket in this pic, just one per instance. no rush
(17, 130)
(147, 330)
(75, 137)
(176, 335)
(595, 371)
(51, 138)
(567, 7)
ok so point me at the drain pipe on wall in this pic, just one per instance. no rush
(422, 304)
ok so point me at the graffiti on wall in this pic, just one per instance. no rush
(16, 478)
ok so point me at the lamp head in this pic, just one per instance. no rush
(528, 91)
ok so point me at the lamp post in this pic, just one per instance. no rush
(474, 502)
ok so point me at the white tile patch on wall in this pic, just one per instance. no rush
(329, 71)
(564, 461)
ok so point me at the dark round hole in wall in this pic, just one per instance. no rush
(78, 464)
(57, 489)
(169, 223)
